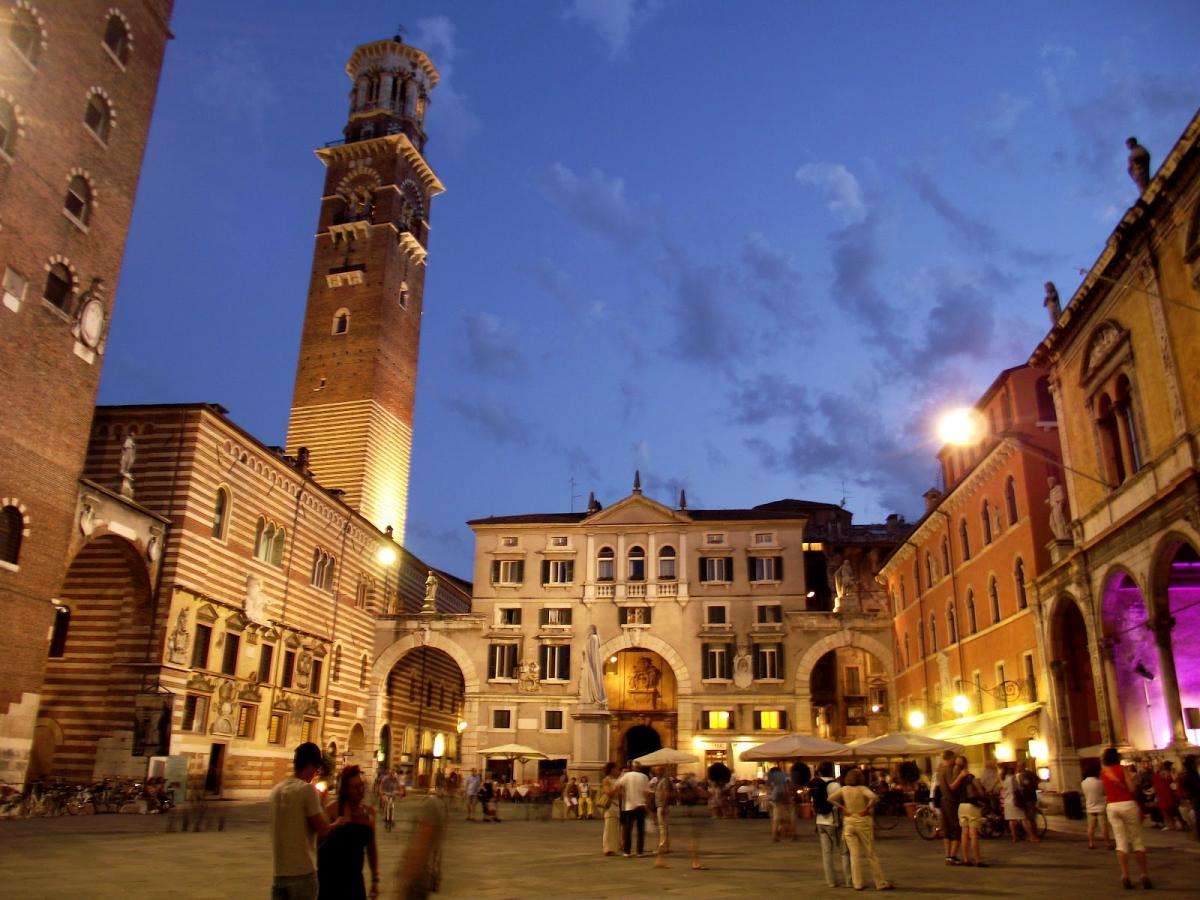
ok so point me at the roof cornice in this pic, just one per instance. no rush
(397, 144)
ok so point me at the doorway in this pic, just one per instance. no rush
(640, 740)
(216, 770)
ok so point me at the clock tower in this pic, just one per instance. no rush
(352, 406)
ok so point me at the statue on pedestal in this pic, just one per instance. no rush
(1057, 503)
(1139, 164)
(591, 678)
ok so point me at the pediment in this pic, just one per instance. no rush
(637, 509)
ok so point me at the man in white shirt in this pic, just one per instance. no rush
(296, 823)
(829, 828)
(633, 787)
(472, 790)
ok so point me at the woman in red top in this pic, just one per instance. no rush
(1124, 815)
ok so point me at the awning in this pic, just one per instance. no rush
(985, 728)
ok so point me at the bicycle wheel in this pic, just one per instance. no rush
(888, 817)
(927, 823)
(992, 826)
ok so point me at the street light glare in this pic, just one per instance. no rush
(916, 719)
(386, 555)
(961, 427)
(961, 704)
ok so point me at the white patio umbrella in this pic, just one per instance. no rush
(666, 756)
(796, 746)
(513, 752)
(902, 744)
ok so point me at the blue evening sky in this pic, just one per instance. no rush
(749, 248)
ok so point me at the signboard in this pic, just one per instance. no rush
(152, 723)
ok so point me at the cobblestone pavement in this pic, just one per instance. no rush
(128, 856)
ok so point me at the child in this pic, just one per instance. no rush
(1094, 804)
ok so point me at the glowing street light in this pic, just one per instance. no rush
(386, 555)
(961, 427)
(916, 719)
(960, 704)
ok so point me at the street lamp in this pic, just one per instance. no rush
(960, 704)
(387, 556)
(916, 719)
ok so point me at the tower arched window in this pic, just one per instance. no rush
(637, 564)
(994, 599)
(965, 539)
(972, 619)
(12, 529)
(78, 202)
(58, 633)
(117, 38)
(1110, 440)
(946, 555)
(220, 514)
(98, 117)
(341, 321)
(1019, 583)
(951, 624)
(605, 565)
(1010, 499)
(933, 642)
(1128, 428)
(25, 35)
(666, 563)
(907, 651)
(929, 571)
(58, 286)
(8, 127)
(985, 515)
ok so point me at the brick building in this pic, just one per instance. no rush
(77, 88)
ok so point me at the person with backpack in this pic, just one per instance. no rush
(829, 824)
(971, 798)
(1027, 784)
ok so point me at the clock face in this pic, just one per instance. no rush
(91, 322)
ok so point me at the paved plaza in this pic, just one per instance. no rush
(127, 856)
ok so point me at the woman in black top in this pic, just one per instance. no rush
(340, 858)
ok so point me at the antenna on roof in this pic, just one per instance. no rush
(574, 496)
(845, 496)
(400, 30)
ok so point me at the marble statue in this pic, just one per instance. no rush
(1057, 503)
(1052, 303)
(1139, 164)
(304, 665)
(177, 644)
(255, 602)
(591, 679)
(128, 456)
(527, 676)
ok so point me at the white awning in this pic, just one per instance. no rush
(985, 728)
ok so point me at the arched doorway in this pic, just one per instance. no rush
(642, 692)
(849, 695)
(640, 740)
(1135, 665)
(1073, 675)
(356, 745)
(424, 695)
(385, 746)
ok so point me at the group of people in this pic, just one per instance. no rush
(626, 796)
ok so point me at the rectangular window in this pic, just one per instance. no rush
(502, 661)
(554, 720)
(558, 541)
(266, 658)
(768, 614)
(508, 571)
(314, 680)
(768, 661)
(200, 647)
(14, 289)
(766, 568)
(716, 568)
(554, 662)
(716, 661)
(770, 719)
(718, 720)
(1001, 694)
(276, 733)
(289, 668)
(502, 719)
(764, 537)
(508, 615)
(852, 680)
(245, 722)
(229, 656)
(1031, 688)
(337, 709)
(558, 571)
(714, 539)
(195, 710)
(634, 615)
(716, 614)
(605, 569)
(555, 615)
(509, 542)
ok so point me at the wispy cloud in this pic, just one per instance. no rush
(236, 81)
(843, 196)
(491, 345)
(595, 201)
(613, 21)
(493, 417)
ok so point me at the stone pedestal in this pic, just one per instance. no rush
(1059, 549)
(590, 742)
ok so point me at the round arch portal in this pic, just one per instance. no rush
(841, 640)
(630, 641)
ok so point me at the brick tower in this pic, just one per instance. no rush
(356, 377)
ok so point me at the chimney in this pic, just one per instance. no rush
(932, 498)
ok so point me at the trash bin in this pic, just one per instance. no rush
(1072, 803)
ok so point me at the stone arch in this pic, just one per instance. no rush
(1108, 579)
(836, 641)
(388, 659)
(628, 640)
(1162, 556)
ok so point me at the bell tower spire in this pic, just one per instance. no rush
(352, 405)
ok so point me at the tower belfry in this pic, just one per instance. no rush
(352, 406)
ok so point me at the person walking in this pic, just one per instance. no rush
(948, 804)
(387, 787)
(1014, 815)
(856, 802)
(296, 824)
(1124, 815)
(340, 856)
(420, 870)
(473, 784)
(971, 798)
(664, 794)
(610, 810)
(585, 798)
(1027, 786)
(780, 788)
(633, 787)
(1094, 803)
(1189, 788)
(1166, 795)
(829, 824)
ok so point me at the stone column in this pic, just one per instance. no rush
(385, 90)
(1112, 720)
(1163, 624)
(589, 750)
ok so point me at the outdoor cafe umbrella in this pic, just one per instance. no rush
(902, 744)
(513, 752)
(666, 756)
(796, 746)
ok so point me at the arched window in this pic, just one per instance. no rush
(220, 514)
(341, 321)
(946, 554)
(933, 644)
(994, 599)
(965, 539)
(605, 570)
(921, 639)
(929, 572)
(907, 651)
(1110, 441)
(268, 542)
(972, 620)
(116, 38)
(903, 594)
(8, 127)
(97, 115)
(951, 624)
(58, 634)
(78, 202)
(985, 514)
(637, 564)
(12, 529)
(58, 286)
(322, 569)
(362, 672)
(917, 576)
(666, 563)
(1010, 499)
(1128, 429)
(336, 671)
(1019, 579)
(25, 35)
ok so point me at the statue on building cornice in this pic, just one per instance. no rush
(1052, 303)
(177, 644)
(1139, 164)
(1057, 503)
(128, 456)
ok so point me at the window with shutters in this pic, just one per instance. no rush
(716, 661)
(553, 720)
(289, 668)
(558, 571)
(666, 563)
(718, 569)
(951, 624)
(766, 568)
(965, 539)
(637, 564)
(277, 732)
(985, 521)
(195, 712)
(245, 722)
(554, 662)
(946, 555)
(266, 660)
(508, 571)
(972, 618)
(768, 662)
(605, 564)
(770, 719)
(554, 616)
(634, 615)
(200, 646)
(58, 637)
(229, 656)
(994, 599)
(502, 662)
(768, 614)
(508, 616)
(363, 668)
(717, 720)
(314, 678)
